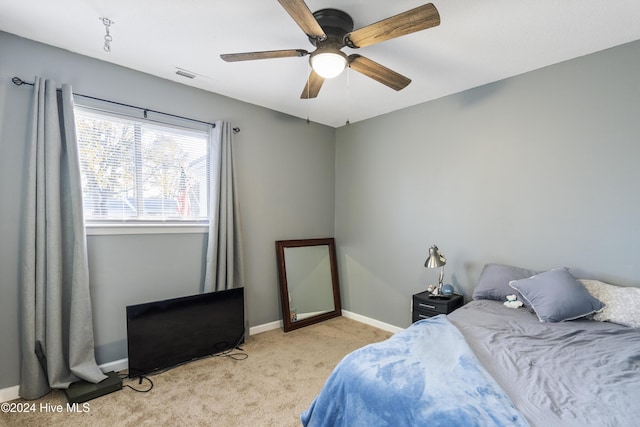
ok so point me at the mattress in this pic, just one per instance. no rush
(574, 373)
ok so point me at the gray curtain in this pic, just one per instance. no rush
(225, 268)
(57, 346)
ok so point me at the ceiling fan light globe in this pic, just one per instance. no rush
(328, 64)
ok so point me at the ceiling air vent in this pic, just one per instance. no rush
(185, 73)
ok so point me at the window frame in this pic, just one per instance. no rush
(96, 227)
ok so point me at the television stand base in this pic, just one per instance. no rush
(81, 391)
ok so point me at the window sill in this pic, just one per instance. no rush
(121, 229)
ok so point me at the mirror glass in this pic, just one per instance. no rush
(309, 288)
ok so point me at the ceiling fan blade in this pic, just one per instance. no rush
(378, 72)
(300, 13)
(312, 88)
(420, 18)
(267, 54)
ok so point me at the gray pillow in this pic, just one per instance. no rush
(556, 296)
(494, 281)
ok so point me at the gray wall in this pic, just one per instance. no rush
(286, 183)
(538, 171)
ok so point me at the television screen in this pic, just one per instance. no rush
(163, 334)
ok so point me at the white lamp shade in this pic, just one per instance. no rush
(328, 63)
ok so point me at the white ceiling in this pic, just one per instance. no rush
(476, 43)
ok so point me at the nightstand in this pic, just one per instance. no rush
(426, 305)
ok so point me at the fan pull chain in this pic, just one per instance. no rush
(347, 123)
(308, 90)
(107, 37)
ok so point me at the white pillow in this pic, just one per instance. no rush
(622, 304)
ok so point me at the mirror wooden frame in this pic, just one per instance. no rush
(287, 324)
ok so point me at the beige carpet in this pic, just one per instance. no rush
(278, 381)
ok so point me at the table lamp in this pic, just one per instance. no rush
(435, 260)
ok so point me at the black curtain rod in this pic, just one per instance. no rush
(19, 82)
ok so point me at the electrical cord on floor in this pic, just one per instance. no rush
(141, 378)
(231, 353)
(240, 355)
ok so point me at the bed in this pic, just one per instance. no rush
(488, 364)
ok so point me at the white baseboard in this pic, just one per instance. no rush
(372, 322)
(11, 393)
(265, 327)
(116, 365)
(353, 316)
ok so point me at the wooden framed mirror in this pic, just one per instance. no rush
(309, 285)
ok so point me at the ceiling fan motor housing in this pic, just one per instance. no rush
(336, 25)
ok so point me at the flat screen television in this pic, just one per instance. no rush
(163, 334)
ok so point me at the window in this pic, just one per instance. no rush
(139, 171)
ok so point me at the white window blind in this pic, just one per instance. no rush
(138, 171)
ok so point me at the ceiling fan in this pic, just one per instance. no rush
(329, 30)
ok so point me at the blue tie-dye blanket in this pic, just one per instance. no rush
(425, 375)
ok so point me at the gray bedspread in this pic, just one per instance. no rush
(576, 373)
